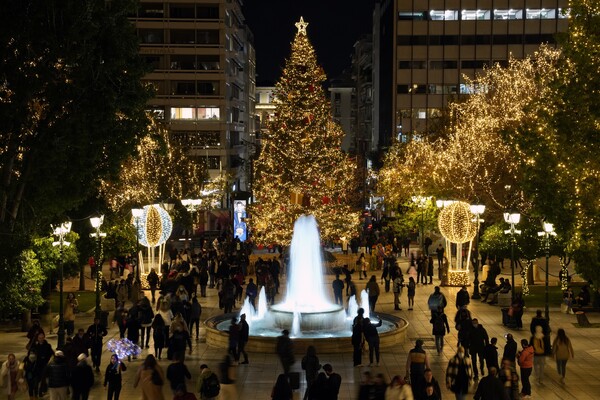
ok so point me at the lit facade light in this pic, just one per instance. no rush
(477, 209)
(97, 221)
(512, 218)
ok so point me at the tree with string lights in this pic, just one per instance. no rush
(301, 168)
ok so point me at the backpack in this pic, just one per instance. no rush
(210, 386)
(434, 302)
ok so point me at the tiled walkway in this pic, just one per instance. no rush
(254, 381)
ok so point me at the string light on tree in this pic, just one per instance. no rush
(301, 169)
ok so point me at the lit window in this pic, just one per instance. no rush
(543, 13)
(508, 14)
(182, 113)
(208, 112)
(448, 15)
(471, 15)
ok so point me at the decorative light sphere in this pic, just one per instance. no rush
(154, 226)
(457, 223)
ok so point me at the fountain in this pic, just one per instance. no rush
(306, 310)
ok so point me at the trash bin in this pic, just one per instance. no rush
(104, 318)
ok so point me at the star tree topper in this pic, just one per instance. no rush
(301, 25)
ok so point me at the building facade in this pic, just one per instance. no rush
(435, 43)
(203, 64)
(343, 108)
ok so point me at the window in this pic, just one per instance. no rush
(200, 113)
(472, 15)
(151, 10)
(448, 15)
(508, 14)
(183, 88)
(183, 62)
(208, 88)
(473, 88)
(151, 36)
(196, 138)
(419, 64)
(208, 62)
(443, 64)
(473, 64)
(207, 36)
(157, 111)
(153, 61)
(411, 16)
(402, 89)
(183, 36)
(543, 13)
(207, 11)
(183, 11)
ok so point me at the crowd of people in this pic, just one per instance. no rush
(171, 317)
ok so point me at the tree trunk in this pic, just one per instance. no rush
(82, 278)
(25, 320)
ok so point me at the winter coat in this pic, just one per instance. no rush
(150, 390)
(561, 350)
(83, 377)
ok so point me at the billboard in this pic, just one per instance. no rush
(240, 229)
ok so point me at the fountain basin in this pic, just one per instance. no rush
(331, 319)
(264, 339)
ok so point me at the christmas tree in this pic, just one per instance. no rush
(302, 169)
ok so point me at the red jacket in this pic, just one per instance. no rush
(526, 357)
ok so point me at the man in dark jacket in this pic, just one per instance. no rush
(57, 376)
(478, 340)
(462, 297)
(243, 338)
(177, 373)
(83, 378)
(327, 385)
(490, 387)
(96, 332)
(490, 353)
(285, 351)
(510, 349)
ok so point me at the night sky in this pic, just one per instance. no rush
(334, 27)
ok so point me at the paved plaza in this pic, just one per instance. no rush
(255, 380)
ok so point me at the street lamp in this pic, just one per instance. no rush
(512, 219)
(477, 210)
(137, 214)
(421, 202)
(61, 232)
(546, 234)
(192, 205)
(96, 223)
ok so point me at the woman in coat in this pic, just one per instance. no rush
(151, 378)
(562, 350)
(310, 363)
(10, 374)
(158, 334)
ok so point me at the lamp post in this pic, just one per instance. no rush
(546, 234)
(512, 219)
(477, 210)
(421, 202)
(96, 223)
(192, 205)
(61, 232)
(137, 214)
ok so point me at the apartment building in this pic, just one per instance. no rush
(426, 47)
(203, 69)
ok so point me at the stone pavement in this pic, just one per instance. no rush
(256, 379)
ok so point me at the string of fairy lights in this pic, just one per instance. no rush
(302, 169)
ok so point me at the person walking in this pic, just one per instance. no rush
(10, 374)
(372, 289)
(208, 385)
(338, 287)
(416, 363)
(397, 286)
(285, 351)
(357, 337)
(310, 364)
(112, 377)
(459, 374)
(177, 373)
(539, 353)
(510, 380)
(327, 385)
(430, 269)
(372, 338)
(436, 301)
(151, 378)
(58, 377)
(70, 309)
(539, 320)
(158, 335)
(411, 289)
(440, 327)
(195, 313)
(562, 351)
(96, 332)
(282, 389)
(440, 255)
(525, 359)
(462, 298)
(477, 342)
(82, 378)
(510, 349)
(234, 338)
(490, 354)
(490, 387)
(153, 281)
(244, 335)
(145, 317)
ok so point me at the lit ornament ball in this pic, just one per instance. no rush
(456, 222)
(155, 226)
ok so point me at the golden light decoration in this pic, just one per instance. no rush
(154, 226)
(458, 278)
(456, 223)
